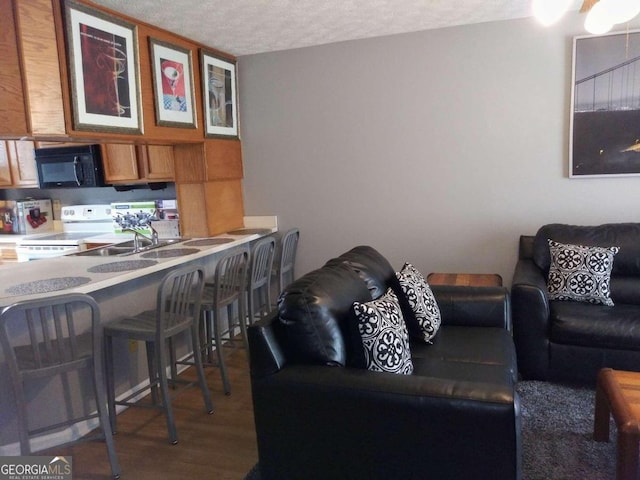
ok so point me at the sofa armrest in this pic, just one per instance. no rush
(473, 306)
(530, 310)
(319, 422)
(266, 356)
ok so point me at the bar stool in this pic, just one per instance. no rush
(259, 285)
(285, 265)
(177, 311)
(64, 336)
(220, 296)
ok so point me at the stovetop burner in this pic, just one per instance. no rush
(66, 236)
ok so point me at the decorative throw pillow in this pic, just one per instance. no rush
(580, 273)
(426, 313)
(384, 335)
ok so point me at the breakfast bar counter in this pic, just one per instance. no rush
(121, 285)
(87, 274)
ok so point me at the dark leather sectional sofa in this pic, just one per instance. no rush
(317, 417)
(570, 341)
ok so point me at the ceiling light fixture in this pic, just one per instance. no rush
(602, 15)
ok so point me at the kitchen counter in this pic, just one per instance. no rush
(87, 274)
(121, 286)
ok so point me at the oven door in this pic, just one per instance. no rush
(27, 253)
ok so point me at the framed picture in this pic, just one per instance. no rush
(103, 66)
(172, 84)
(605, 106)
(219, 96)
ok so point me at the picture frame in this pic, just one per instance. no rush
(172, 77)
(103, 68)
(604, 139)
(219, 95)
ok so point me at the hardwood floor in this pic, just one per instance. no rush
(220, 446)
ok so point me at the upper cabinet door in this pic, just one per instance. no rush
(18, 165)
(124, 163)
(23, 164)
(5, 169)
(120, 163)
(158, 164)
(13, 118)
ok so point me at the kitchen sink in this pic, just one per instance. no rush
(127, 248)
(146, 244)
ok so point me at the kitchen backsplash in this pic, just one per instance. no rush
(81, 196)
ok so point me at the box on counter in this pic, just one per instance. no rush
(8, 217)
(34, 216)
(163, 214)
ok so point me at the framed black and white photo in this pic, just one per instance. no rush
(103, 66)
(172, 84)
(605, 106)
(219, 95)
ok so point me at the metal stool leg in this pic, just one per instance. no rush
(161, 373)
(195, 345)
(101, 405)
(223, 369)
(111, 395)
(153, 371)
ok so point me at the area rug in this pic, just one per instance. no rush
(557, 430)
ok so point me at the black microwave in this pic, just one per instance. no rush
(70, 167)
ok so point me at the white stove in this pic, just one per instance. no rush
(79, 222)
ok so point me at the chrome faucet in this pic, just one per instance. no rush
(136, 236)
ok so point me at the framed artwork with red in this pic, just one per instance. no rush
(103, 66)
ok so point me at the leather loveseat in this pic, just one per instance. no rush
(318, 417)
(570, 341)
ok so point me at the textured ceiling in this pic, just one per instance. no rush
(243, 27)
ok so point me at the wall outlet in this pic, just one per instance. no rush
(133, 346)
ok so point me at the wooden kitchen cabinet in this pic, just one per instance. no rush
(158, 164)
(223, 159)
(124, 163)
(23, 164)
(18, 165)
(30, 80)
(13, 117)
(5, 168)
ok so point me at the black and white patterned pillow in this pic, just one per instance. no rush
(580, 273)
(384, 335)
(426, 313)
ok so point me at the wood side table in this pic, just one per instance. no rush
(618, 394)
(465, 279)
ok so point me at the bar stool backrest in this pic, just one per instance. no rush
(179, 297)
(288, 258)
(230, 277)
(262, 255)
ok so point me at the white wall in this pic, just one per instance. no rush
(438, 147)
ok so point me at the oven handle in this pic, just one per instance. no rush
(77, 168)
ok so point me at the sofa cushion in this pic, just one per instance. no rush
(314, 311)
(426, 314)
(464, 345)
(626, 236)
(373, 268)
(459, 372)
(587, 325)
(580, 273)
(384, 335)
(376, 271)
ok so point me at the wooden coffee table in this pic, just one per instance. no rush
(465, 279)
(618, 394)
